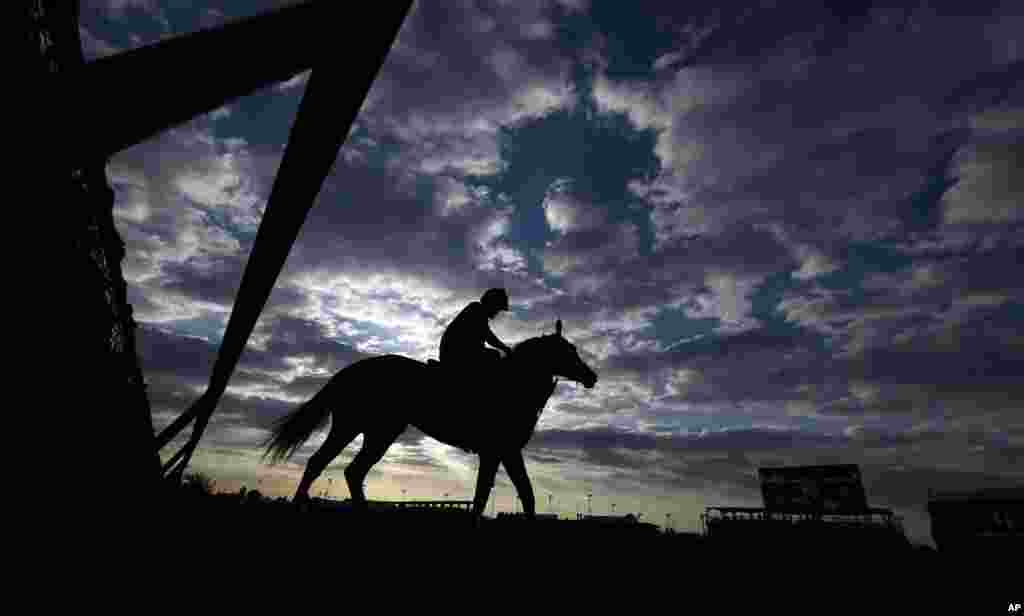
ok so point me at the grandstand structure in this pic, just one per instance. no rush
(821, 506)
(465, 506)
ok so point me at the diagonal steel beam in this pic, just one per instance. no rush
(323, 121)
(126, 98)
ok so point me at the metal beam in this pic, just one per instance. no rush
(325, 116)
(127, 98)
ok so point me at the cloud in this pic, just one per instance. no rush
(725, 298)
(564, 212)
(988, 188)
(487, 67)
(768, 129)
(189, 205)
(813, 263)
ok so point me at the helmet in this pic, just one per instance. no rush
(496, 298)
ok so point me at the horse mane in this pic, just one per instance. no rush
(530, 345)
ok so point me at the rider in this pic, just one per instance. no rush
(462, 344)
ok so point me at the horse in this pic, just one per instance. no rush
(439, 402)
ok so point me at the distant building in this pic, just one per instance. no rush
(820, 506)
(439, 505)
(613, 520)
(506, 515)
(397, 506)
(627, 521)
(978, 520)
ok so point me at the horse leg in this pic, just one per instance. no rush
(516, 469)
(337, 440)
(484, 483)
(375, 445)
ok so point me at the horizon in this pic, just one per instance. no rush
(781, 237)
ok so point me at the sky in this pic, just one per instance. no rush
(782, 234)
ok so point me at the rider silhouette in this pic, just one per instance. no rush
(462, 345)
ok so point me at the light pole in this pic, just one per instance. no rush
(668, 522)
(613, 508)
(550, 498)
(590, 497)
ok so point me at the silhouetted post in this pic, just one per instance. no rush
(590, 509)
(106, 379)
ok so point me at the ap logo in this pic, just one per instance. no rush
(1014, 608)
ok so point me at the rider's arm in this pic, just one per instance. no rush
(493, 340)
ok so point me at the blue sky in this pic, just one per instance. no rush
(781, 235)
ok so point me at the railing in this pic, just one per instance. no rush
(743, 519)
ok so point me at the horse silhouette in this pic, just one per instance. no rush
(491, 415)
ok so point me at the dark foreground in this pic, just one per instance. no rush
(259, 543)
(228, 520)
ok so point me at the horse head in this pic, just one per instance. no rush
(560, 358)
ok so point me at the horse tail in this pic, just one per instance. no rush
(294, 429)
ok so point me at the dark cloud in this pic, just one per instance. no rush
(908, 486)
(295, 337)
(162, 354)
(474, 55)
(215, 281)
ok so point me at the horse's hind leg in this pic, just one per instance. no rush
(375, 444)
(337, 440)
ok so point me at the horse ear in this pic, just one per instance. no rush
(558, 327)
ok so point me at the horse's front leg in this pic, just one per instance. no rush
(516, 469)
(484, 484)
